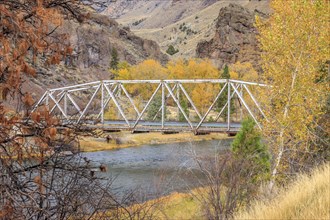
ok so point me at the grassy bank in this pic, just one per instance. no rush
(127, 139)
(306, 198)
(180, 206)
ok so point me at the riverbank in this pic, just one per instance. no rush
(126, 139)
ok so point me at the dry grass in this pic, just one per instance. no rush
(128, 139)
(306, 198)
(180, 206)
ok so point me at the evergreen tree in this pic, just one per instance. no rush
(225, 73)
(184, 105)
(114, 59)
(154, 107)
(171, 50)
(248, 144)
(224, 96)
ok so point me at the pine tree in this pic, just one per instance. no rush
(184, 105)
(224, 96)
(154, 107)
(114, 59)
(248, 144)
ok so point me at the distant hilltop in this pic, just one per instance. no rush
(188, 25)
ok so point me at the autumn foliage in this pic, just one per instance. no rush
(295, 45)
(28, 38)
(179, 69)
(34, 177)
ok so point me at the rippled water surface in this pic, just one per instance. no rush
(156, 169)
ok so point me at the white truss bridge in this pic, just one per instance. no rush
(86, 104)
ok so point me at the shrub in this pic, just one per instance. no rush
(248, 144)
(171, 50)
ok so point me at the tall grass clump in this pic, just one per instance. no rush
(306, 198)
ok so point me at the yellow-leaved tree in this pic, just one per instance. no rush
(196, 69)
(295, 45)
(243, 71)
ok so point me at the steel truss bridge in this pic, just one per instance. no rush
(86, 104)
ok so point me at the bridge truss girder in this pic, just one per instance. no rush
(107, 90)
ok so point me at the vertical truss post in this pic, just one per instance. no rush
(240, 106)
(246, 106)
(210, 108)
(228, 101)
(160, 108)
(178, 98)
(107, 100)
(65, 103)
(47, 100)
(163, 104)
(145, 107)
(102, 102)
(225, 106)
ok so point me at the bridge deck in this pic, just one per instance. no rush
(169, 126)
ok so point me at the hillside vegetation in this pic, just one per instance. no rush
(161, 20)
(306, 198)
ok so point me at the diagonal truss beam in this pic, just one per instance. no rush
(57, 104)
(255, 101)
(88, 104)
(179, 105)
(105, 104)
(210, 108)
(117, 105)
(130, 99)
(108, 94)
(190, 101)
(246, 106)
(146, 106)
(224, 107)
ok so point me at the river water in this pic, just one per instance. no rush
(156, 170)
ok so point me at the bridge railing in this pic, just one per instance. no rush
(68, 103)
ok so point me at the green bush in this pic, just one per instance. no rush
(171, 50)
(248, 144)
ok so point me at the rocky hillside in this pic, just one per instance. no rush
(234, 39)
(181, 23)
(145, 14)
(93, 42)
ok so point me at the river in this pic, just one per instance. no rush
(156, 170)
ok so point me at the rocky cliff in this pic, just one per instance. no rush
(234, 39)
(93, 42)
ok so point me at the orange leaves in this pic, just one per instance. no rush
(28, 100)
(50, 133)
(69, 50)
(35, 116)
(39, 182)
(42, 114)
(25, 34)
(7, 210)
